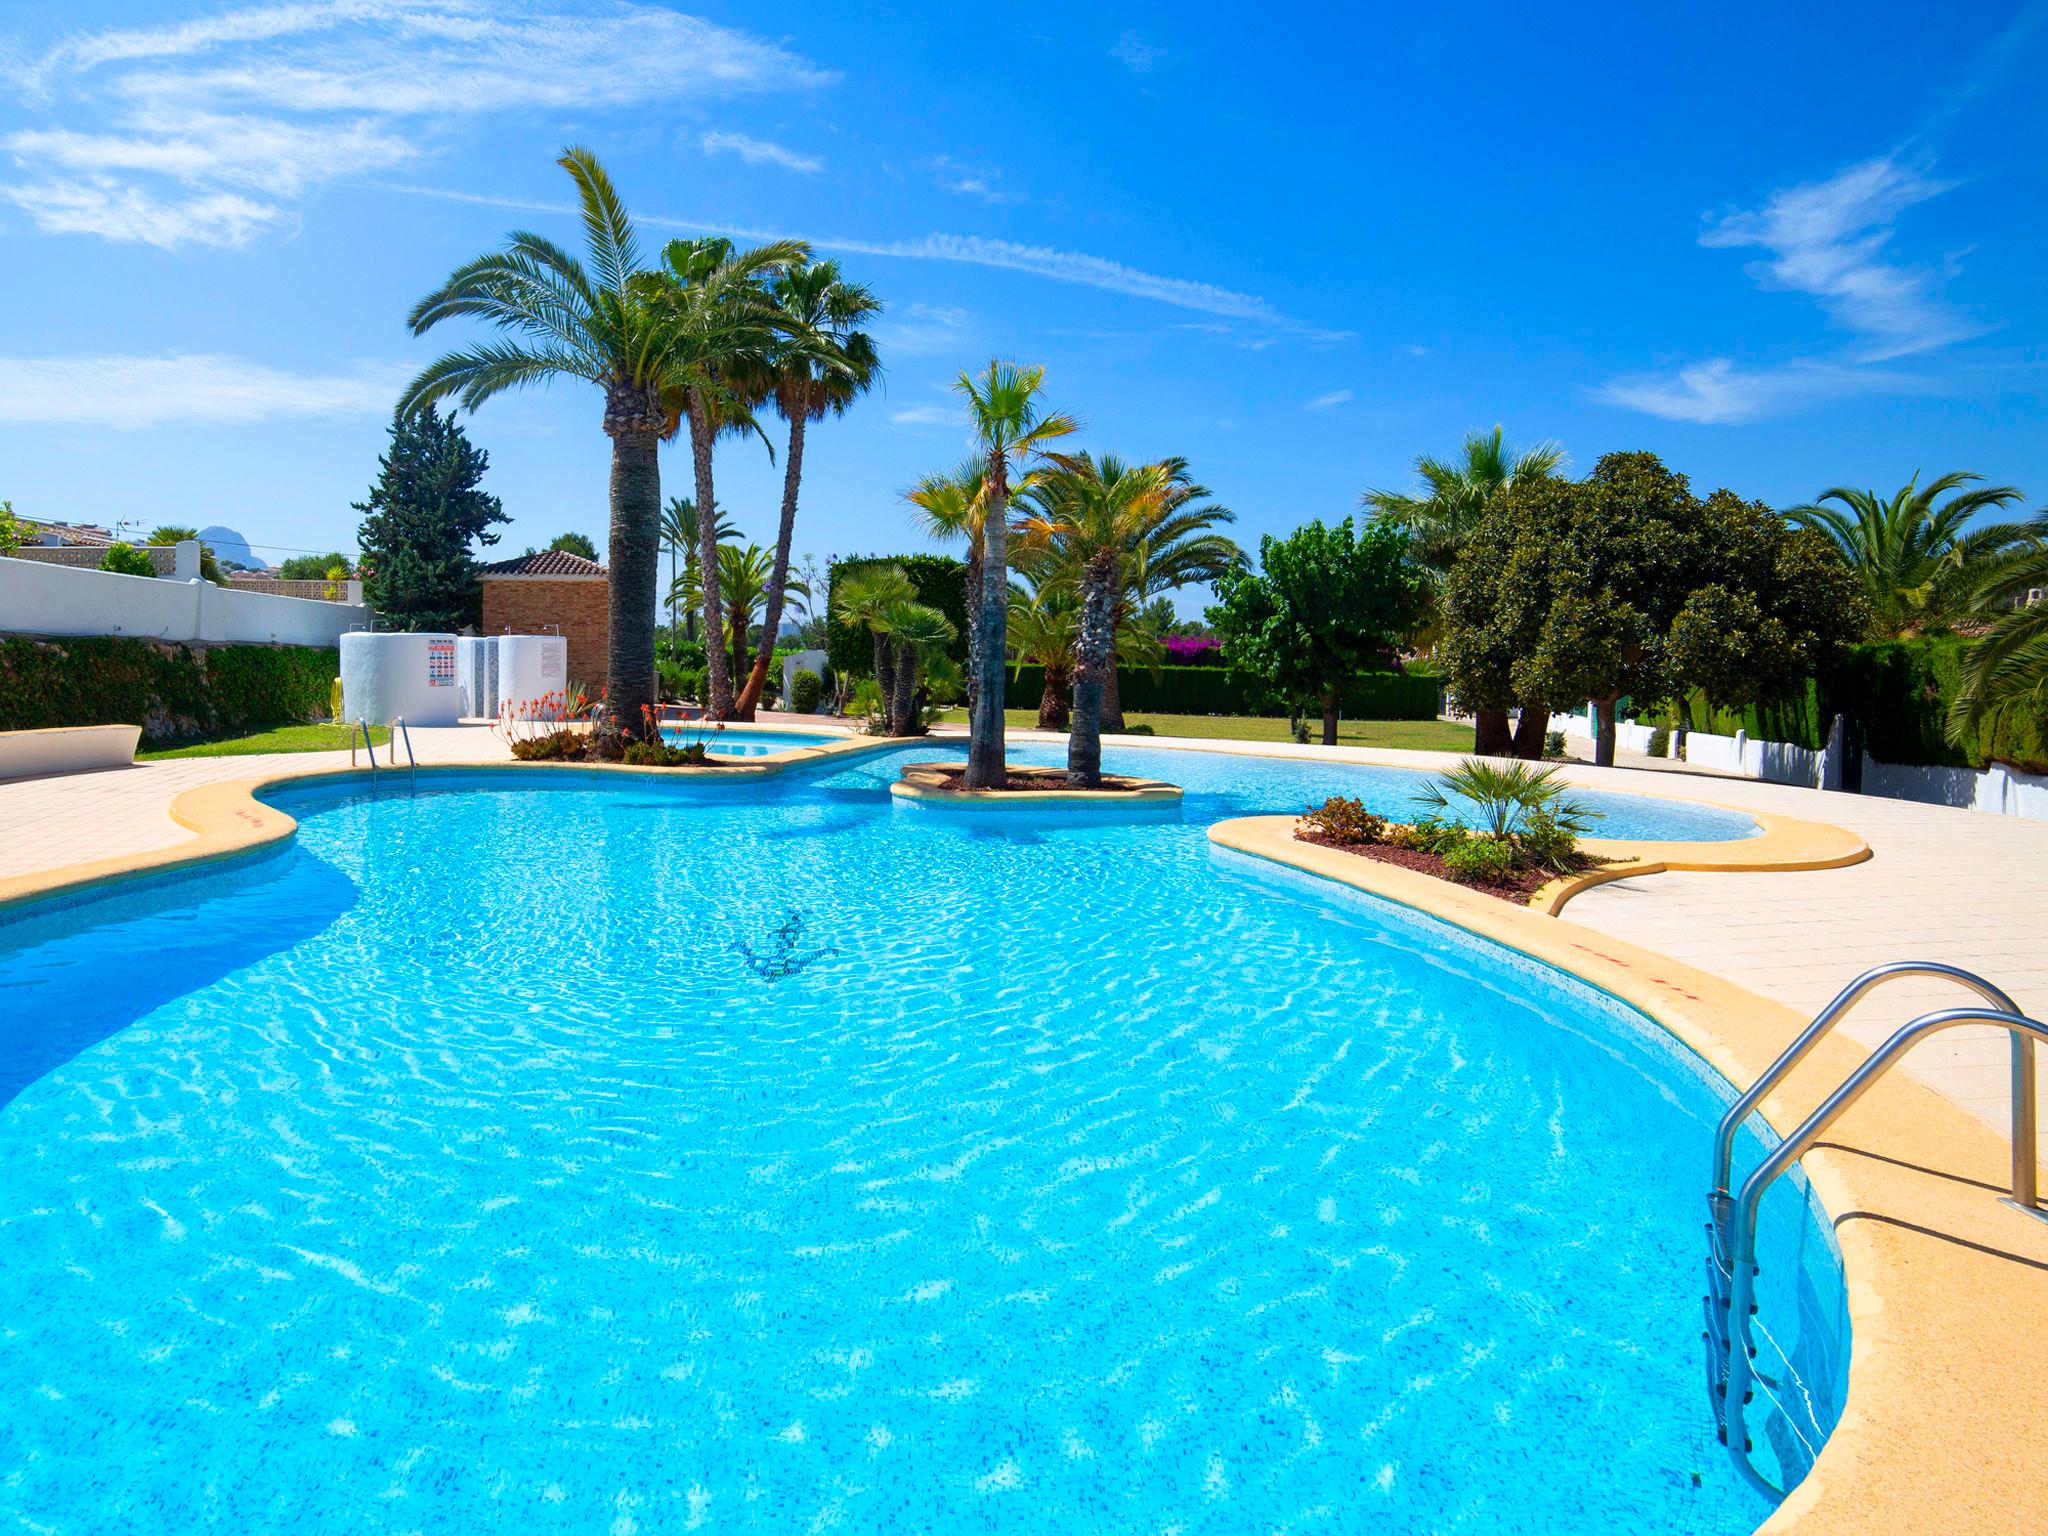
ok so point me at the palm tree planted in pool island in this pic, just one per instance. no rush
(578, 319)
(1012, 429)
(949, 507)
(819, 364)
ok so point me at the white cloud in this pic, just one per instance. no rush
(184, 389)
(984, 182)
(1719, 393)
(929, 416)
(1135, 54)
(1329, 401)
(1829, 238)
(924, 328)
(761, 152)
(279, 99)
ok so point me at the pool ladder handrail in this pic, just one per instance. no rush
(412, 766)
(1732, 1232)
(369, 746)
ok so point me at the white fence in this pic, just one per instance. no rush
(1996, 791)
(56, 600)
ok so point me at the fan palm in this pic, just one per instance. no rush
(1012, 430)
(1177, 547)
(949, 507)
(2006, 672)
(1044, 626)
(1456, 493)
(720, 335)
(1502, 796)
(860, 597)
(821, 361)
(1918, 563)
(582, 319)
(679, 539)
(920, 635)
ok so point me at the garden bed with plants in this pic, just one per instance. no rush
(565, 727)
(1524, 832)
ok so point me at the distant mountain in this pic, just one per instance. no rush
(230, 549)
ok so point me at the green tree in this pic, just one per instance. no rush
(818, 364)
(574, 544)
(177, 533)
(949, 508)
(1324, 604)
(743, 576)
(861, 600)
(720, 335)
(315, 567)
(919, 635)
(1044, 627)
(592, 320)
(2004, 674)
(424, 516)
(13, 531)
(1916, 558)
(679, 537)
(1011, 427)
(1438, 521)
(126, 560)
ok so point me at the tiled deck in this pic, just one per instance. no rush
(1943, 884)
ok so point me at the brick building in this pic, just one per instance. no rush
(550, 591)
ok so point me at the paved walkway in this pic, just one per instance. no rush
(1944, 884)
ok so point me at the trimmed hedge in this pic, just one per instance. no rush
(941, 583)
(1218, 691)
(174, 692)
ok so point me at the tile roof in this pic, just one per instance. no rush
(544, 562)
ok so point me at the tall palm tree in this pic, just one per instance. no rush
(1919, 563)
(949, 507)
(1087, 515)
(581, 319)
(2006, 671)
(721, 333)
(1456, 493)
(1177, 546)
(744, 571)
(820, 363)
(1012, 430)
(860, 599)
(679, 540)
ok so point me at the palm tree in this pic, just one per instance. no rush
(1919, 565)
(920, 634)
(2005, 672)
(860, 599)
(1012, 430)
(679, 539)
(1086, 516)
(1176, 547)
(1045, 626)
(744, 572)
(949, 507)
(177, 533)
(720, 333)
(820, 364)
(1456, 493)
(589, 320)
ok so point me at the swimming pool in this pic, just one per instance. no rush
(562, 1152)
(738, 741)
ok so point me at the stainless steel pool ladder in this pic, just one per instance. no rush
(369, 746)
(1731, 1231)
(412, 767)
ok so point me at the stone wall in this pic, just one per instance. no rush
(579, 607)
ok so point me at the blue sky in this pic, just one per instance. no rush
(1782, 246)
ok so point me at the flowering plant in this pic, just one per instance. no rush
(1193, 651)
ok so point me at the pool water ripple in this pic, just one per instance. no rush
(466, 1177)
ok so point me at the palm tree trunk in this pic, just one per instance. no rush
(1530, 732)
(885, 676)
(778, 579)
(971, 685)
(1112, 682)
(1490, 734)
(635, 568)
(1052, 699)
(1093, 648)
(985, 764)
(718, 677)
(902, 707)
(1329, 717)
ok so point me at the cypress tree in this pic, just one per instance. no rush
(424, 513)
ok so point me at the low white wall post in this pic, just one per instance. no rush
(185, 560)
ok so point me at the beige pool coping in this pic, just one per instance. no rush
(924, 784)
(1946, 1415)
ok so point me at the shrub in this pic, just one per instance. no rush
(805, 691)
(1553, 745)
(1216, 691)
(1503, 795)
(660, 754)
(174, 692)
(1440, 837)
(1480, 861)
(555, 747)
(126, 560)
(1660, 742)
(1547, 843)
(1346, 823)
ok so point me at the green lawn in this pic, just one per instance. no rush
(1418, 735)
(279, 738)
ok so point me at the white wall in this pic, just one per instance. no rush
(37, 599)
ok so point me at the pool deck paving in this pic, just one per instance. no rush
(1942, 884)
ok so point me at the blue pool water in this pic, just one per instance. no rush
(563, 1153)
(738, 741)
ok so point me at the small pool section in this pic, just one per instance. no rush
(739, 741)
(565, 1153)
